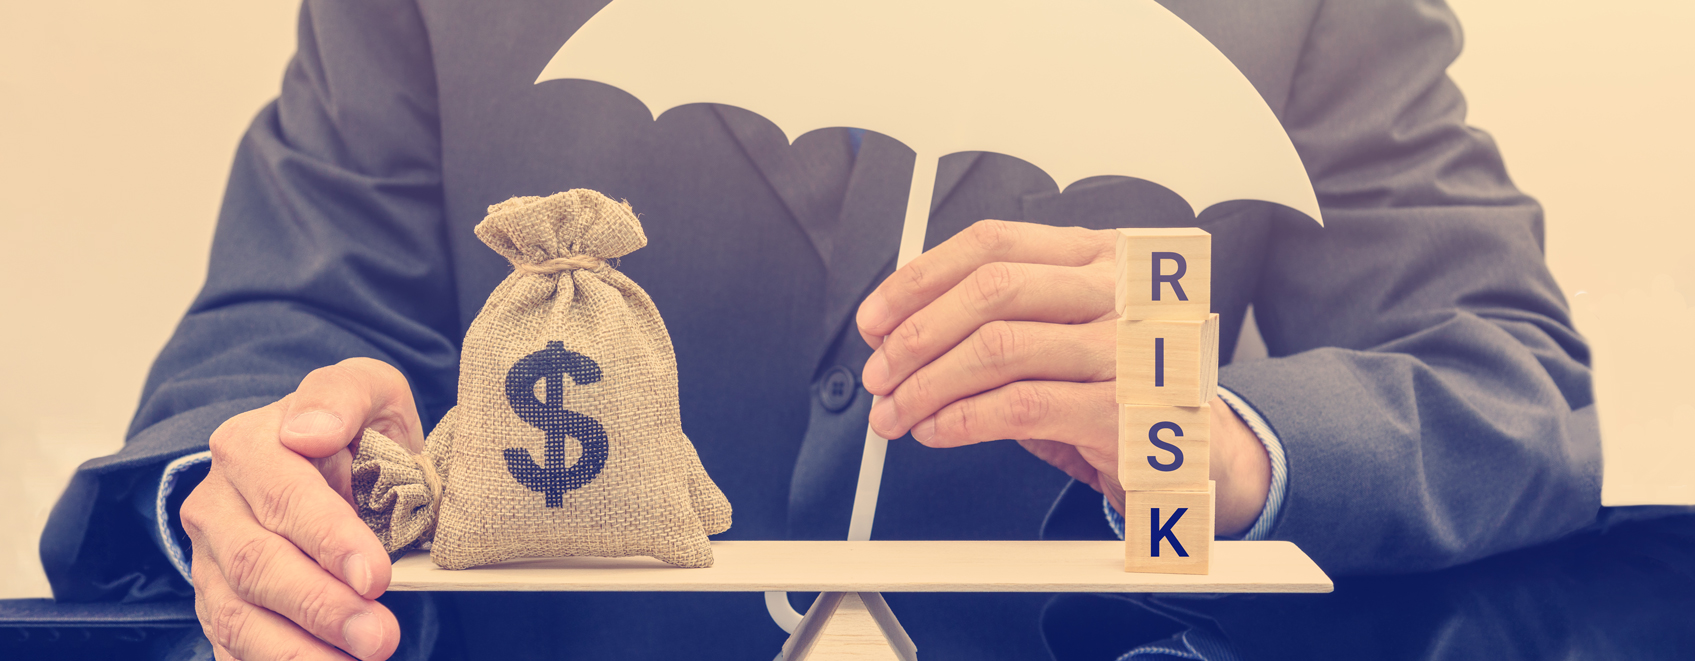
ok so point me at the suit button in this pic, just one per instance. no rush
(837, 389)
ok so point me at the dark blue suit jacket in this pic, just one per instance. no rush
(1431, 394)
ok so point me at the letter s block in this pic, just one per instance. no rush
(1163, 273)
(1168, 361)
(1168, 532)
(1164, 447)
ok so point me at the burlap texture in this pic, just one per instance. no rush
(569, 352)
(391, 491)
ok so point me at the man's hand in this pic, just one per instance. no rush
(283, 566)
(1006, 331)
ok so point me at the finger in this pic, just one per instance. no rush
(337, 471)
(1000, 291)
(996, 354)
(240, 630)
(334, 404)
(1114, 491)
(935, 272)
(267, 571)
(1082, 415)
(289, 497)
(1065, 458)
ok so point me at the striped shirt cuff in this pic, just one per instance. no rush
(166, 536)
(1191, 645)
(1279, 465)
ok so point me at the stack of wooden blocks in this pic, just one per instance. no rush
(1167, 371)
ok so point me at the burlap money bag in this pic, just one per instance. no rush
(566, 440)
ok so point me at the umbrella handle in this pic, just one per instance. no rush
(870, 483)
(782, 612)
(876, 447)
(859, 527)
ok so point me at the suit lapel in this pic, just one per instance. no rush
(949, 173)
(810, 177)
(851, 208)
(872, 213)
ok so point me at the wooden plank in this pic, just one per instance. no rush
(1173, 362)
(1135, 262)
(1164, 447)
(885, 566)
(1168, 532)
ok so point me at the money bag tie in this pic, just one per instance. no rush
(567, 438)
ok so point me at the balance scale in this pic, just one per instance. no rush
(1073, 128)
(850, 620)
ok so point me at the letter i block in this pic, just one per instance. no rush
(1168, 361)
(1164, 447)
(1164, 273)
(1168, 532)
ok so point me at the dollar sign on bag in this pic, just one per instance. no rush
(553, 478)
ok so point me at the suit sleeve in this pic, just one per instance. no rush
(329, 245)
(1432, 396)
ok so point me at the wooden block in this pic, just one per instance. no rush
(1168, 361)
(1164, 447)
(1163, 273)
(1168, 532)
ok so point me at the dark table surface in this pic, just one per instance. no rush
(1627, 592)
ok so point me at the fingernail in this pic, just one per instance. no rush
(313, 423)
(363, 635)
(924, 430)
(884, 416)
(358, 573)
(876, 371)
(873, 312)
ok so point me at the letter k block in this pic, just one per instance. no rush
(1168, 532)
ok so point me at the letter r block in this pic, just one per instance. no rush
(1163, 273)
(1164, 447)
(1168, 532)
(1173, 362)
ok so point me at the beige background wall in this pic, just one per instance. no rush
(118, 121)
(117, 124)
(1590, 103)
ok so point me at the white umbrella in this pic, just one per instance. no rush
(1079, 88)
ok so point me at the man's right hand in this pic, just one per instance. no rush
(283, 566)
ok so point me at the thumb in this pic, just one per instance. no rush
(334, 404)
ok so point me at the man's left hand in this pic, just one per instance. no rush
(1006, 330)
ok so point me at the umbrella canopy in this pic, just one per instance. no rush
(1079, 88)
